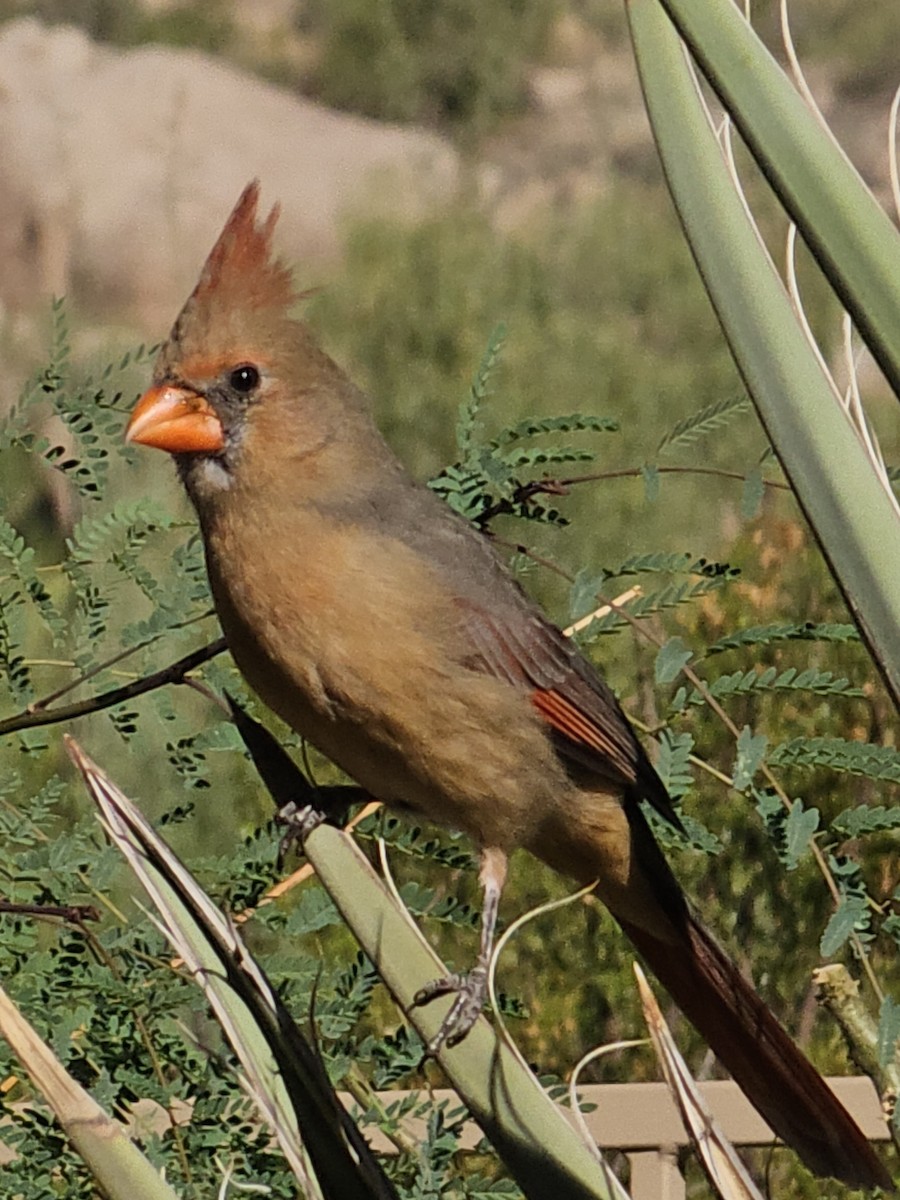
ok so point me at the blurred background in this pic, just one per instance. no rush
(441, 168)
(128, 127)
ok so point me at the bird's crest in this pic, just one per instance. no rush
(241, 266)
(242, 279)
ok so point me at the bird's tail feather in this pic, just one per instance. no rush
(769, 1068)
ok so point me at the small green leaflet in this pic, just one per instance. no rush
(851, 911)
(841, 754)
(853, 822)
(752, 494)
(674, 655)
(751, 750)
(673, 764)
(790, 831)
(565, 423)
(467, 421)
(888, 1031)
(799, 829)
(650, 476)
(583, 593)
(762, 635)
(705, 420)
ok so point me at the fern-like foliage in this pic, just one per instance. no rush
(591, 588)
(791, 830)
(500, 475)
(766, 635)
(415, 842)
(854, 914)
(468, 425)
(741, 683)
(90, 410)
(866, 818)
(13, 667)
(424, 901)
(126, 575)
(838, 754)
(706, 420)
(20, 560)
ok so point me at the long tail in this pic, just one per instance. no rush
(766, 1064)
(608, 841)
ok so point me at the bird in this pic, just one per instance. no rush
(387, 631)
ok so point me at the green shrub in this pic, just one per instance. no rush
(458, 62)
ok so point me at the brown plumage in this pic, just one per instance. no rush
(384, 629)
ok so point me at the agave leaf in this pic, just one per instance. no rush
(724, 1170)
(853, 517)
(851, 237)
(528, 1130)
(284, 1074)
(118, 1166)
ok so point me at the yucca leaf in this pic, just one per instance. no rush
(852, 238)
(726, 1173)
(853, 517)
(118, 1166)
(528, 1131)
(285, 1075)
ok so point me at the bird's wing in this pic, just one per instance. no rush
(590, 730)
(507, 635)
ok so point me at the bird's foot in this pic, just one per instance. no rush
(298, 820)
(470, 989)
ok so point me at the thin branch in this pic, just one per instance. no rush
(636, 472)
(710, 700)
(73, 914)
(521, 548)
(46, 701)
(522, 494)
(174, 673)
(560, 487)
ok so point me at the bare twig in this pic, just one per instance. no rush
(46, 701)
(771, 779)
(637, 472)
(521, 548)
(561, 487)
(173, 673)
(74, 914)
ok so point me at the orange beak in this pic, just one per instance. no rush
(175, 419)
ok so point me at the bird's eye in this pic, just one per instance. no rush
(244, 379)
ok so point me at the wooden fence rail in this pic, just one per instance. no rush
(641, 1120)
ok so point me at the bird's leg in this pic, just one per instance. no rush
(470, 987)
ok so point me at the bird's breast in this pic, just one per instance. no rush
(355, 643)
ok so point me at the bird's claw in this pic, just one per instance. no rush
(299, 820)
(470, 989)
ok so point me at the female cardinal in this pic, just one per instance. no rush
(382, 627)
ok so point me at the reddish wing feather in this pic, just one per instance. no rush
(558, 711)
(571, 696)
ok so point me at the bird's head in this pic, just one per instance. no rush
(240, 376)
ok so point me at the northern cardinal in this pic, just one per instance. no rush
(385, 629)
